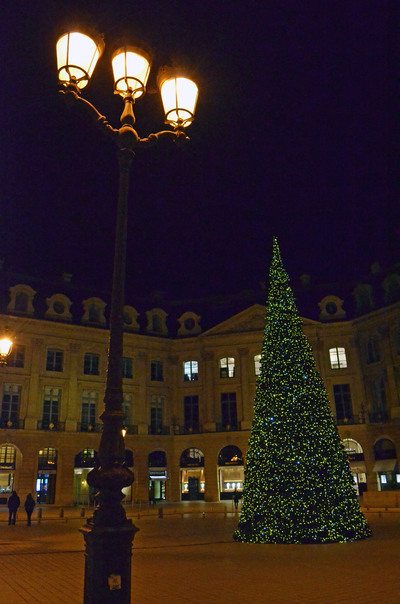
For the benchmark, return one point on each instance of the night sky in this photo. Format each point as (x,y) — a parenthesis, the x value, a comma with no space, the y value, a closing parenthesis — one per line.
(296,135)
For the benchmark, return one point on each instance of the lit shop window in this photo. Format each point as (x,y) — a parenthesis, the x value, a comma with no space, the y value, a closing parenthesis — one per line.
(257,364)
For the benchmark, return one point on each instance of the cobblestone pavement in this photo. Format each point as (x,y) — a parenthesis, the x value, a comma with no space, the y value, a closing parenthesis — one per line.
(190,559)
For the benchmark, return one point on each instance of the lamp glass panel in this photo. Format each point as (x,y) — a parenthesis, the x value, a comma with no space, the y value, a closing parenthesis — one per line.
(179,96)
(77,55)
(5,346)
(131,71)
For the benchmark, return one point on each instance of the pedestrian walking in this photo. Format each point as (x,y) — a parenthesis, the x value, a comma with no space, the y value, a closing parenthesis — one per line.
(236,497)
(29,506)
(13,505)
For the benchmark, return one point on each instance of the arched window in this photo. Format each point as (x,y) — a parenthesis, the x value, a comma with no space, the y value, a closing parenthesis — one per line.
(157,459)
(192,458)
(230,471)
(230,456)
(384,449)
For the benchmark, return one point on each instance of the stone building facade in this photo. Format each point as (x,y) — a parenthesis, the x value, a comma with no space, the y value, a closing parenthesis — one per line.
(188,396)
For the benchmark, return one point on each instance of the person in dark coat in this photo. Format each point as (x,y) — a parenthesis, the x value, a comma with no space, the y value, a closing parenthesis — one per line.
(29,506)
(13,505)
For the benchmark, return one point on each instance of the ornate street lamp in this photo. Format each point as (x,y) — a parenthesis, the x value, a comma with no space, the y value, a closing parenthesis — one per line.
(109,534)
(5,349)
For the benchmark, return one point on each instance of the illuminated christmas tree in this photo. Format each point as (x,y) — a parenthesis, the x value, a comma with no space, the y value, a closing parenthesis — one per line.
(298,487)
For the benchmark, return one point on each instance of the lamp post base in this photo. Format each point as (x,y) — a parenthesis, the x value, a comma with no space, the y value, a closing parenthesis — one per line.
(108,563)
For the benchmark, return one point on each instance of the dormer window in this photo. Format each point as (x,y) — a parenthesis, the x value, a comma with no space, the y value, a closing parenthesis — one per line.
(156,321)
(227,367)
(130,318)
(21,299)
(189,324)
(58,307)
(94,311)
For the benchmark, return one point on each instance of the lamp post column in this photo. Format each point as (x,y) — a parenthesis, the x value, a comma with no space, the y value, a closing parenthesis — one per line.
(109,534)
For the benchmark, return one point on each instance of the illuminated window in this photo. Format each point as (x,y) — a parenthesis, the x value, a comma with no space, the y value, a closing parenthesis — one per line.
(227,367)
(383,479)
(257,364)
(190,371)
(7,456)
(338,358)
(47,459)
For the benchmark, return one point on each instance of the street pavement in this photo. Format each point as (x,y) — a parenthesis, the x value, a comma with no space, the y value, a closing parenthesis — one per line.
(188,557)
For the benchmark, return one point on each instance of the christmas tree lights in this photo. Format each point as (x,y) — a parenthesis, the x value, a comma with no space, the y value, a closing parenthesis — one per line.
(298,487)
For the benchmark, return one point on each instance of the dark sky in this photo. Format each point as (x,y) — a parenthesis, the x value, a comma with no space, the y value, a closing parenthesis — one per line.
(296,134)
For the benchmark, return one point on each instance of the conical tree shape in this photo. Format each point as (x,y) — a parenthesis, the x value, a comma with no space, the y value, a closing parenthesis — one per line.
(298,487)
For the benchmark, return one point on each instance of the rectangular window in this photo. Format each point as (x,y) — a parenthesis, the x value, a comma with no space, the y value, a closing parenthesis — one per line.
(16,358)
(191,413)
(190,371)
(91,364)
(338,358)
(127,368)
(10,406)
(378,395)
(227,367)
(51,407)
(156,414)
(127,409)
(89,410)
(342,396)
(228,410)
(373,354)
(7,457)
(156,371)
(54,360)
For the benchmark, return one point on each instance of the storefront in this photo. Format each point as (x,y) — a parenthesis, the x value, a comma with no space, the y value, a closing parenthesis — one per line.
(157,462)
(386,466)
(46,476)
(357,465)
(192,475)
(230,471)
(84,463)
(7,470)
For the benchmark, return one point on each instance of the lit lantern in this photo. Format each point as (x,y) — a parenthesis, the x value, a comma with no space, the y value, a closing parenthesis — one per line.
(179,97)
(77,55)
(131,67)
(5,347)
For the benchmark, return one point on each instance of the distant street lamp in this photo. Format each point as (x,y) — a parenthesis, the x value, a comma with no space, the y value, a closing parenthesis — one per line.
(109,534)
